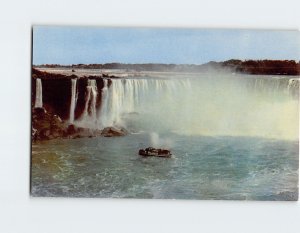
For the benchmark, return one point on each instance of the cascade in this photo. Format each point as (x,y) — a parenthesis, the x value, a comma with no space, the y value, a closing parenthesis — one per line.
(103,121)
(38,94)
(293,86)
(125,96)
(255,106)
(276,85)
(89,113)
(73,100)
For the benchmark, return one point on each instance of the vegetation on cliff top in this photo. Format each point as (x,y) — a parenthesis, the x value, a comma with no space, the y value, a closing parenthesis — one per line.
(267,67)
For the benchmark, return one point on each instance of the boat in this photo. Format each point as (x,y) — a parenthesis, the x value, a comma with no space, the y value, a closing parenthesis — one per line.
(150,151)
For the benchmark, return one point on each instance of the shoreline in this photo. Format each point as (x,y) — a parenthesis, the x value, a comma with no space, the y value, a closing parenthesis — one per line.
(256,67)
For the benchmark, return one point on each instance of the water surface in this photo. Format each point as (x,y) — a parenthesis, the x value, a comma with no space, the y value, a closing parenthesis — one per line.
(241,168)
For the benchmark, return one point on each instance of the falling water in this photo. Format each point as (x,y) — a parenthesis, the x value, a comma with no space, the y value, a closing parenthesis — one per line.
(293,87)
(103,121)
(89,118)
(126,96)
(222,105)
(39,94)
(73,101)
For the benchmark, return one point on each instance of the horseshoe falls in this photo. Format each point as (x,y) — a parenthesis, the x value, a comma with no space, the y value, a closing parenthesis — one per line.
(216,106)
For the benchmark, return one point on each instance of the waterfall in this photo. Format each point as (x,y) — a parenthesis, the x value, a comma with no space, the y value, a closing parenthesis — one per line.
(293,86)
(126,96)
(73,101)
(276,86)
(89,118)
(103,121)
(38,94)
(196,106)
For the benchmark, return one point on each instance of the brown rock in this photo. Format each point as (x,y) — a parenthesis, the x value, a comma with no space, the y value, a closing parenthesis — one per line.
(113,132)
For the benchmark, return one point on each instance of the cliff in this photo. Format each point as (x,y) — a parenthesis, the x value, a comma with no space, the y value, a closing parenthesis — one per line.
(57,92)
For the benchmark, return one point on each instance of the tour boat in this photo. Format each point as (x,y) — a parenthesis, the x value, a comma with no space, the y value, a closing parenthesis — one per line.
(150,151)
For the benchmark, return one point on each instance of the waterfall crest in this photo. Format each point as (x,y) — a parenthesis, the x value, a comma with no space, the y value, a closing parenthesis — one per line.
(38,94)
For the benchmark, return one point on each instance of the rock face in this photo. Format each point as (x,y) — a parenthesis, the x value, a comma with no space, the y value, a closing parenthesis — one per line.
(78,132)
(57,92)
(46,125)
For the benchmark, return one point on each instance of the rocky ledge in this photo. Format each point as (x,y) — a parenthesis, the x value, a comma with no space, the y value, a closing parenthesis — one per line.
(47,125)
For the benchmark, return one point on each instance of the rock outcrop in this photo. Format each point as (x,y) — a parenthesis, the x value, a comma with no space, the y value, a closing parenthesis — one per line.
(113,132)
(47,125)
(73,131)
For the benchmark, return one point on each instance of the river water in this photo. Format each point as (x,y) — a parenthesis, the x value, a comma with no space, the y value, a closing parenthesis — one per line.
(239,168)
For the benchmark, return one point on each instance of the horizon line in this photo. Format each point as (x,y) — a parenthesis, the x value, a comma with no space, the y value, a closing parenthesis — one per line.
(156,63)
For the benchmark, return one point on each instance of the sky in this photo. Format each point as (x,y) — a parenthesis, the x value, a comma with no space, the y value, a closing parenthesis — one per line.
(67,45)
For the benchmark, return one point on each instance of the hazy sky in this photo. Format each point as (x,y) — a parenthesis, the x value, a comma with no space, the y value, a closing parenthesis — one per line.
(73,45)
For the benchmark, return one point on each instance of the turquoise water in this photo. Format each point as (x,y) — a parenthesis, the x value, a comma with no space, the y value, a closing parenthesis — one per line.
(239,168)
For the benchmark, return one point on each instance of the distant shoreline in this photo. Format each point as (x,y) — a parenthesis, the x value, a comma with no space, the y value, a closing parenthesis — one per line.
(263,67)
